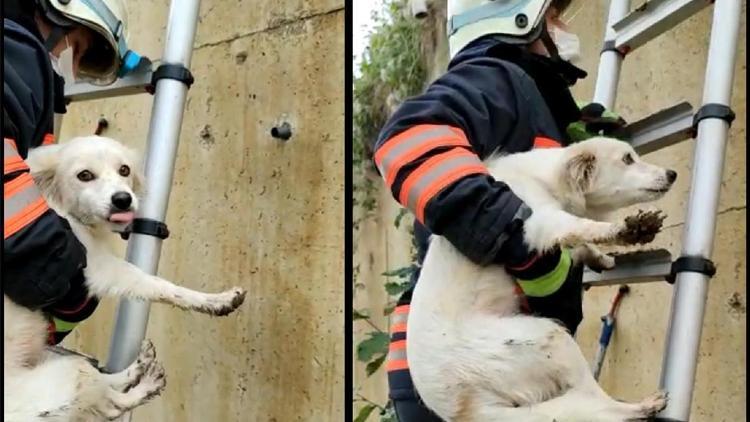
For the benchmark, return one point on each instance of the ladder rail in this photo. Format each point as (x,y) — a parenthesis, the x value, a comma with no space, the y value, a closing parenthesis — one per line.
(163,138)
(610,62)
(691,289)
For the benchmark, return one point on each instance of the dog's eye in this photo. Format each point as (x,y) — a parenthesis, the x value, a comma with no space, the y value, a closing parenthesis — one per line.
(124,171)
(85,176)
(628,159)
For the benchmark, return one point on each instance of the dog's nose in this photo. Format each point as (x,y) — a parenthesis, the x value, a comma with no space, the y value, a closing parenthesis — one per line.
(122,200)
(671,176)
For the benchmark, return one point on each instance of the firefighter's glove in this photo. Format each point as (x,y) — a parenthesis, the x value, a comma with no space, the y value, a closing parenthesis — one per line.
(595,121)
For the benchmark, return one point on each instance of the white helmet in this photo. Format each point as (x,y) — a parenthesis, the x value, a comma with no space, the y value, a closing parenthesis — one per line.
(108,57)
(515,21)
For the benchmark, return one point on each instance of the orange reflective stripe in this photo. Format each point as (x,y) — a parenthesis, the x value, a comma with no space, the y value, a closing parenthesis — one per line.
(434,175)
(542,142)
(402,309)
(48,139)
(398,328)
(411,144)
(396,365)
(11,143)
(397,356)
(23,204)
(12,161)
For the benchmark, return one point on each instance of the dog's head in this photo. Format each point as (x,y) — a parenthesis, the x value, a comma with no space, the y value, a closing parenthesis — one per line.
(96,180)
(610,175)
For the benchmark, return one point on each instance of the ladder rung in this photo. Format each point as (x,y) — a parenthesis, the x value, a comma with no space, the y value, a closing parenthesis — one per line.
(135,82)
(660,130)
(633,267)
(652,19)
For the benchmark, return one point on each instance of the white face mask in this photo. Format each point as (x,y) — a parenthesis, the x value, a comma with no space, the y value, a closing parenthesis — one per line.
(568,45)
(63,65)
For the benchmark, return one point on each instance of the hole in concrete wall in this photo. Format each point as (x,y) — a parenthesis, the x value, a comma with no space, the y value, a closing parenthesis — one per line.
(240,57)
(282,131)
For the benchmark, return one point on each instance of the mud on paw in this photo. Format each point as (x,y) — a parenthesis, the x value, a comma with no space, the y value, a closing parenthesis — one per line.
(642,227)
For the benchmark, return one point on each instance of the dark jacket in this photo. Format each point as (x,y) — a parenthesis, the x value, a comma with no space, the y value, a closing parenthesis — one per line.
(42,259)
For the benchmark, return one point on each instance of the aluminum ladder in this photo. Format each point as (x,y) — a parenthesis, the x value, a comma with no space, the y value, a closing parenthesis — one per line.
(690,273)
(169,83)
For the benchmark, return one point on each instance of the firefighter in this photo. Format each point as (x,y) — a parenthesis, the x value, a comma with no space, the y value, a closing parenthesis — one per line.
(507,89)
(46,44)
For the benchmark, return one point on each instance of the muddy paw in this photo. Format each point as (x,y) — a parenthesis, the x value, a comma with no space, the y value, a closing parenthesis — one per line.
(654,403)
(146,359)
(641,228)
(152,383)
(601,263)
(227,302)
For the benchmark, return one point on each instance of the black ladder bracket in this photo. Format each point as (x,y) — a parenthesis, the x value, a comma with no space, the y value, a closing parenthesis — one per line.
(693,264)
(177,72)
(146,226)
(609,45)
(713,111)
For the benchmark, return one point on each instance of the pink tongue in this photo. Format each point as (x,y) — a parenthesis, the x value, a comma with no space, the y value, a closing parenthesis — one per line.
(121,217)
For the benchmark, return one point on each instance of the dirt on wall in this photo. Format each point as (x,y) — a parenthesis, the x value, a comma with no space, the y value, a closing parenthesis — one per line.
(246,209)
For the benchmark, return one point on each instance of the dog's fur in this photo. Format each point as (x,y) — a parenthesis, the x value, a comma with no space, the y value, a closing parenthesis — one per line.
(41,386)
(472,355)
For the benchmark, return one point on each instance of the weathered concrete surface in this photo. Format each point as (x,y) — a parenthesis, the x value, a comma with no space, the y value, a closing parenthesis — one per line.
(668,70)
(249,210)
(662,73)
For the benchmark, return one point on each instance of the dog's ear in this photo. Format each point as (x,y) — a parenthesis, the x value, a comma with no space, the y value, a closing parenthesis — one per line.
(43,162)
(580,170)
(139,182)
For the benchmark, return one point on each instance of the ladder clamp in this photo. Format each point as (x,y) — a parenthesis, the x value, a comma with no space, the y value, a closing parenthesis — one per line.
(146,226)
(609,45)
(177,72)
(713,111)
(693,264)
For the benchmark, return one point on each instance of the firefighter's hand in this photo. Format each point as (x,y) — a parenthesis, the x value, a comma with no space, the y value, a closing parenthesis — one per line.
(595,121)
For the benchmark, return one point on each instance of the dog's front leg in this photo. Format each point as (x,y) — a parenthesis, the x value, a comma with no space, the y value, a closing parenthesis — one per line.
(108,275)
(592,257)
(547,228)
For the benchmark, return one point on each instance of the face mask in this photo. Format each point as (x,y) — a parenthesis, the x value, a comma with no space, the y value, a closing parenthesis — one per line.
(63,65)
(568,45)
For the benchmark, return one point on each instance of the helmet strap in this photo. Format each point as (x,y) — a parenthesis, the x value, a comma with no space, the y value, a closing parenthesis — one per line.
(55,35)
(549,44)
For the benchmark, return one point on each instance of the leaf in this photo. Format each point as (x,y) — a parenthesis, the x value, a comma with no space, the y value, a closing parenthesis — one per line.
(374,365)
(359,315)
(364,413)
(377,343)
(389,309)
(402,272)
(389,413)
(396,288)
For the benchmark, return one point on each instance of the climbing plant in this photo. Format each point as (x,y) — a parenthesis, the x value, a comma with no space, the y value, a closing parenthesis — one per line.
(392,69)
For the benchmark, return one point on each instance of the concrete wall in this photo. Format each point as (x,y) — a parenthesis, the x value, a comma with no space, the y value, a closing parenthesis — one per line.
(668,70)
(247,209)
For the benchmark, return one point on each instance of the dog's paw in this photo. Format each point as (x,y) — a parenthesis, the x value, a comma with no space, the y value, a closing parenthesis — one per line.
(640,228)
(225,303)
(654,404)
(145,360)
(601,263)
(592,257)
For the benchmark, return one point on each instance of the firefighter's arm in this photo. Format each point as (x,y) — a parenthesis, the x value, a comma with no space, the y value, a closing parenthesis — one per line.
(428,155)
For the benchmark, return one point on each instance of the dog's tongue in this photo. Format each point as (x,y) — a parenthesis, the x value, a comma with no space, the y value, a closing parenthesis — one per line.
(121,217)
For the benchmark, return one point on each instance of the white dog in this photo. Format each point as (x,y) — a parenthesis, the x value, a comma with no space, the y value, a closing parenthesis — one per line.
(93,182)
(472,356)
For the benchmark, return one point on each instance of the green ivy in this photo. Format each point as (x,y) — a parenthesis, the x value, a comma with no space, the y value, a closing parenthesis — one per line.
(391,70)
